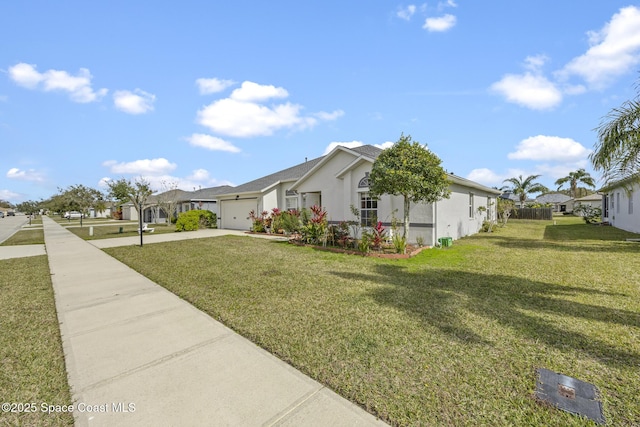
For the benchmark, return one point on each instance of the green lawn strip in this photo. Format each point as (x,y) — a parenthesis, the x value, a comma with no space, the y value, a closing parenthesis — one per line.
(450,337)
(32,366)
(25,237)
(111,231)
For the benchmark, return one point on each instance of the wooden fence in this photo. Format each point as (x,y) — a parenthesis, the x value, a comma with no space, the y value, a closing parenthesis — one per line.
(532,213)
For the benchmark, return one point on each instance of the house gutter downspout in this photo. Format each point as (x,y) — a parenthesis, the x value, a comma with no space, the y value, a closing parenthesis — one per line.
(434,235)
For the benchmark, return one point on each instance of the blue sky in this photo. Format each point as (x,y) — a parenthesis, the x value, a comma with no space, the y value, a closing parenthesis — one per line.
(199,94)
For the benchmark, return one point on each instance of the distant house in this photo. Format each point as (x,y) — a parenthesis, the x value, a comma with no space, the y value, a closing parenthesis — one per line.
(559,202)
(339,180)
(618,204)
(593,200)
(183,201)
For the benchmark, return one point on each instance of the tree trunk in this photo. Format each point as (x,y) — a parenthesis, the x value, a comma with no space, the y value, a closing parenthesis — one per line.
(407,206)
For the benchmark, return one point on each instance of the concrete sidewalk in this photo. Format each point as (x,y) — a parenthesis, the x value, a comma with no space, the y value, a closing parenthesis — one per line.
(137,355)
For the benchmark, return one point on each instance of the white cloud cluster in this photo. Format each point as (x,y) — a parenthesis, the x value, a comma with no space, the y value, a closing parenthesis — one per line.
(552,156)
(79,87)
(553,148)
(141,167)
(613,51)
(25,175)
(136,102)
(245,113)
(439,23)
(211,143)
(207,86)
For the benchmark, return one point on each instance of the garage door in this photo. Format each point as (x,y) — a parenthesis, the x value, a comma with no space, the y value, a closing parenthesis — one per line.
(235,213)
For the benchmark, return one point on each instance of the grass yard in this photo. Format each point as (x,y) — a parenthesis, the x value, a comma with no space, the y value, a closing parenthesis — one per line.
(31,359)
(449,338)
(110,231)
(25,237)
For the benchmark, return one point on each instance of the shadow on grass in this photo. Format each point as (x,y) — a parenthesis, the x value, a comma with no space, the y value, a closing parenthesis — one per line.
(450,300)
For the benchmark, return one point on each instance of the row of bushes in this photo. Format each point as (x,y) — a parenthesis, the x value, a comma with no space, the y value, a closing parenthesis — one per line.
(311,226)
(196,219)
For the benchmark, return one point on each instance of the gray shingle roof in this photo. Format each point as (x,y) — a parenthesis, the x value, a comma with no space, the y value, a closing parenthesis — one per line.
(289,174)
(553,198)
(367,150)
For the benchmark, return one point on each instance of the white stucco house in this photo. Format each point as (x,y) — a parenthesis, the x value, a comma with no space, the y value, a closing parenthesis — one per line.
(618,205)
(593,200)
(339,180)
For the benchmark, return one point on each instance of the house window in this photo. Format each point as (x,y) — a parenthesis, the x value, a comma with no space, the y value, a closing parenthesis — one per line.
(605,205)
(612,202)
(368,209)
(631,203)
(617,202)
(471,205)
(291,203)
(489,210)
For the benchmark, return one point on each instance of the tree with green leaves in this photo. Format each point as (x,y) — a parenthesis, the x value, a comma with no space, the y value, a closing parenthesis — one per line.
(522,187)
(410,170)
(124,191)
(574,178)
(79,198)
(617,152)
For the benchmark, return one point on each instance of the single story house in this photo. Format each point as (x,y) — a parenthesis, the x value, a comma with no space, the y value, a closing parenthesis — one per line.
(339,180)
(618,204)
(181,200)
(593,200)
(559,202)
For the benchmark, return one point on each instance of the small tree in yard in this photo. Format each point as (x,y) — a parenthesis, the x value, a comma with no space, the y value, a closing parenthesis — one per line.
(410,170)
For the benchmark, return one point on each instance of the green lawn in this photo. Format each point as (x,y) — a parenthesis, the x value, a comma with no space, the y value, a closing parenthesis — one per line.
(31,358)
(450,337)
(110,231)
(25,237)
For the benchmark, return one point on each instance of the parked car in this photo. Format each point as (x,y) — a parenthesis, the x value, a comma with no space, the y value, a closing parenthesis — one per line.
(73,215)
(1,214)
(11,213)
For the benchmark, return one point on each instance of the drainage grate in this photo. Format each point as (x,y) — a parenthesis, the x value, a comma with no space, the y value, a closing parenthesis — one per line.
(569,394)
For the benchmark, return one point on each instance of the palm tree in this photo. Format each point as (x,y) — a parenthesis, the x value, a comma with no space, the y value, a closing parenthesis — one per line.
(617,151)
(574,178)
(522,187)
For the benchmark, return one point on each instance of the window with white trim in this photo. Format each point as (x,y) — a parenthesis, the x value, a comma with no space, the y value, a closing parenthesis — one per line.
(617,202)
(368,209)
(291,203)
(631,203)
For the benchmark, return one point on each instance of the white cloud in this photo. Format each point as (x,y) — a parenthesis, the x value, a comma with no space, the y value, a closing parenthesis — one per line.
(244,114)
(406,12)
(446,4)
(207,86)
(141,167)
(211,143)
(9,195)
(485,176)
(25,175)
(246,119)
(322,115)
(560,170)
(250,91)
(78,87)
(136,102)
(440,24)
(529,90)
(614,50)
(555,148)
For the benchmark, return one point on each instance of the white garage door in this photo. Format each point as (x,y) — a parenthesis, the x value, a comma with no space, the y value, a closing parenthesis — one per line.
(235,213)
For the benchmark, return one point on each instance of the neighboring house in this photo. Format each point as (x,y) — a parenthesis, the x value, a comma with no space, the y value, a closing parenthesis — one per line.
(204,198)
(593,200)
(510,195)
(618,204)
(93,213)
(559,202)
(339,180)
(264,194)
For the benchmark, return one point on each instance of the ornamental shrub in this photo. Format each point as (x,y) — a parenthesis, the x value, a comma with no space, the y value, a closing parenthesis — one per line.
(196,219)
